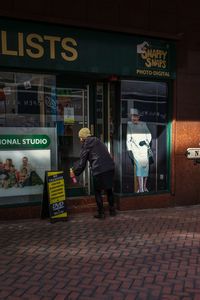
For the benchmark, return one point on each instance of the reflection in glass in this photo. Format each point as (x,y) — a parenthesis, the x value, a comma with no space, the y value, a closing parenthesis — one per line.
(70,118)
(99,111)
(23,99)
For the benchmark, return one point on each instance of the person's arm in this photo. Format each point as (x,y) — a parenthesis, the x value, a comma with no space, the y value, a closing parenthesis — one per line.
(79,167)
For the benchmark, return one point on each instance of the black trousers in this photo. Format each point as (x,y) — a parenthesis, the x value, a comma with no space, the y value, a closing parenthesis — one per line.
(104,182)
(99,199)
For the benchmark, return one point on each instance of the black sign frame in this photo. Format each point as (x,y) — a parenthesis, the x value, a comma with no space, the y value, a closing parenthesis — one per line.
(54,204)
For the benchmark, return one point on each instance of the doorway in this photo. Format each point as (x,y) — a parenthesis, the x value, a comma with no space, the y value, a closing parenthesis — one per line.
(72,115)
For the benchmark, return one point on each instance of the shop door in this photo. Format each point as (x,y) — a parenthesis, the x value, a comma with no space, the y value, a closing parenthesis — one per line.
(72,104)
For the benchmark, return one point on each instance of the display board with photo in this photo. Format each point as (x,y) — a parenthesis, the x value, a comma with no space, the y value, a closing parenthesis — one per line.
(22,171)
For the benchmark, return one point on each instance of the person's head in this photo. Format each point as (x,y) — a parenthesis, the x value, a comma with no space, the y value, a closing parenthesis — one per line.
(135,115)
(8,162)
(84,133)
(25,160)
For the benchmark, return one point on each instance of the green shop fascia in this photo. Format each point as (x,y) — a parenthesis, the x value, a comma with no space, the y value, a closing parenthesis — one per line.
(53,47)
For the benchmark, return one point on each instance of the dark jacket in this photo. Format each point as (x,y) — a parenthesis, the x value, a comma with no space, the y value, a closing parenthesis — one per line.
(94,151)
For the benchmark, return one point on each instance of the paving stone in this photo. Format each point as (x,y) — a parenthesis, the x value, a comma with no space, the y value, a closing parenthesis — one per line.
(138,255)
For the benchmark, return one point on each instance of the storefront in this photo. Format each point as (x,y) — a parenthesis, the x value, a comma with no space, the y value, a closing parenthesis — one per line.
(55,80)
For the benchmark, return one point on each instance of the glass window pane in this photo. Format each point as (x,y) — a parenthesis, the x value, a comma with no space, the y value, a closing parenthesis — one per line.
(99,111)
(25,98)
(36,103)
(144,119)
(71,116)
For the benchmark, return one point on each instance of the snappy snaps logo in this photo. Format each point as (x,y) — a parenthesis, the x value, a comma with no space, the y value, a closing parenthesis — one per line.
(154,60)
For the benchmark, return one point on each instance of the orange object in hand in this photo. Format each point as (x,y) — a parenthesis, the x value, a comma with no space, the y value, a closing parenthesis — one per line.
(72,175)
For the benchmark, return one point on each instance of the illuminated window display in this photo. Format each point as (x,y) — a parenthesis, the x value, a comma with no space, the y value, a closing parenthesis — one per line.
(144,136)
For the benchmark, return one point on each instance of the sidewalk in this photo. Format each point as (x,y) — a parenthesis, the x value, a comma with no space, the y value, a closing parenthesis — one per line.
(148,254)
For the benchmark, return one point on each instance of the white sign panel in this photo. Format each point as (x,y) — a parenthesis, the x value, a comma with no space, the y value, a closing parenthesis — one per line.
(193,153)
(22,172)
(25,154)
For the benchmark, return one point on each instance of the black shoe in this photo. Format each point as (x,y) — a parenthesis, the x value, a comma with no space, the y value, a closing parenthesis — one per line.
(100,216)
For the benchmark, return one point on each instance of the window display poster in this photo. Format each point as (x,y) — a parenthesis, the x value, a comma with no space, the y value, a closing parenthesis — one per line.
(69,115)
(22,171)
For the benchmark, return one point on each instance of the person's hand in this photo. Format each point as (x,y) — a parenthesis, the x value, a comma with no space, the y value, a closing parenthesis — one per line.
(71,173)
(142,143)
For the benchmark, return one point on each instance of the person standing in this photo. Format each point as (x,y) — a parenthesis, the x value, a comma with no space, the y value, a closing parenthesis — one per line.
(102,168)
(138,141)
(27,168)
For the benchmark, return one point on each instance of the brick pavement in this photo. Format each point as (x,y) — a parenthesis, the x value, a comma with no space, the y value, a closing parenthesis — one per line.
(149,254)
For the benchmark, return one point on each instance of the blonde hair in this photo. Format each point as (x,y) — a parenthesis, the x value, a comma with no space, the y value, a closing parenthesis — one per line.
(84,133)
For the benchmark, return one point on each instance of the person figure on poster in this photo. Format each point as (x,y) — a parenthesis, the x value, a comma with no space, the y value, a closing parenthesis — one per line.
(138,141)
(29,170)
(7,168)
(12,180)
(26,164)
(32,177)
(3,175)
(102,168)
(23,176)
(8,164)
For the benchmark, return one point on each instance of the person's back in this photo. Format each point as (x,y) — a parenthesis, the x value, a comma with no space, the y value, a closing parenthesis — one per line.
(102,167)
(98,156)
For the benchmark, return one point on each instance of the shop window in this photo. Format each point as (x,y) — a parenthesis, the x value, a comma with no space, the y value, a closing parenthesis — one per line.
(27,135)
(25,99)
(37,108)
(144,137)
